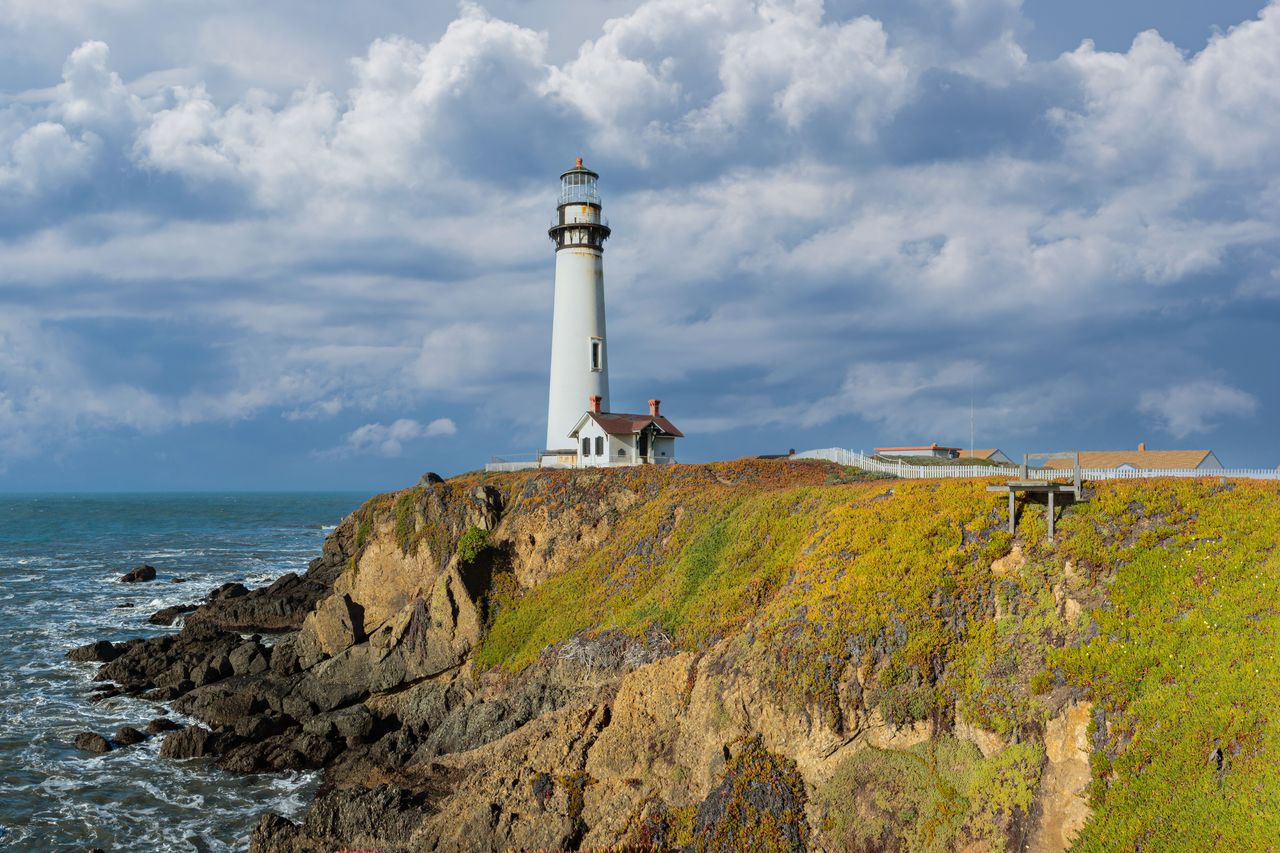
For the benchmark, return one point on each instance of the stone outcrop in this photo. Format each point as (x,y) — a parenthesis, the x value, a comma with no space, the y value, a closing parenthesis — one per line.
(1062,802)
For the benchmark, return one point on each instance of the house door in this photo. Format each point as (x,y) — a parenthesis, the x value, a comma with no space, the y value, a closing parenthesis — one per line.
(643,445)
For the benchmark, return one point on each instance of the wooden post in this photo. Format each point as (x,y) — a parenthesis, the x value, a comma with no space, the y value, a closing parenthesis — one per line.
(1051,515)
(1013,524)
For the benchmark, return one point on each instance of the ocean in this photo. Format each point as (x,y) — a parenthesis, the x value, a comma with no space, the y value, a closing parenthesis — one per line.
(60,560)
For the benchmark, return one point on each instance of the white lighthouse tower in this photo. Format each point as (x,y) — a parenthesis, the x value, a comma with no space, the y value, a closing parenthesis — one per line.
(579,348)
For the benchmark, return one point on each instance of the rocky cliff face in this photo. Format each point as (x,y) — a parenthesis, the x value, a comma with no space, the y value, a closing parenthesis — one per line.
(762,655)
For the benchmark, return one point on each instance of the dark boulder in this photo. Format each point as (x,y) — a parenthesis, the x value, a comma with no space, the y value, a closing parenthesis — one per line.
(430,479)
(167,615)
(228,590)
(138,574)
(289,751)
(352,722)
(224,703)
(92,742)
(249,658)
(102,651)
(191,742)
(160,725)
(128,736)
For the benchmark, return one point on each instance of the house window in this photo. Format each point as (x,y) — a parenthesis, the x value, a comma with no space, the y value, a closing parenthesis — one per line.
(586,447)
(597,354)
(599,445)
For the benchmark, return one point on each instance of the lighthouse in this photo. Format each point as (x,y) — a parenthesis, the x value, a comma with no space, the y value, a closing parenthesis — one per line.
(579,346)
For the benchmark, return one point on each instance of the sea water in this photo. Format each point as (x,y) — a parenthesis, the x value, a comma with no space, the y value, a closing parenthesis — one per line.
(61,557)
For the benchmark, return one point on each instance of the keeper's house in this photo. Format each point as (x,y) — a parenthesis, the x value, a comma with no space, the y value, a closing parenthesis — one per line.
(616,438)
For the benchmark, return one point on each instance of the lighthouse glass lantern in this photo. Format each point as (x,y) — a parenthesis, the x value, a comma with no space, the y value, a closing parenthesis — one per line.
(579,345)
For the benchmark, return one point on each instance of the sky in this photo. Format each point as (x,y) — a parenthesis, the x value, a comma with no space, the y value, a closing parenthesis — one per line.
(302,245)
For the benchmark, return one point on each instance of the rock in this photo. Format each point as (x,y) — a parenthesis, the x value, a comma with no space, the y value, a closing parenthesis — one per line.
(227,591)
(104,693)
(221,704)
(279,607)
(177,580)
(1010,564)
(289,751)
(430,479)
(248,658)
(162,724)
(101,651)
(273,833)
(337,624)
(167,615)
(138,574)
(756,783)
(92,742)
(128,736)
(360,818)
(257,727)
(178,661)
(1062,803)
(352,722)
(191,742)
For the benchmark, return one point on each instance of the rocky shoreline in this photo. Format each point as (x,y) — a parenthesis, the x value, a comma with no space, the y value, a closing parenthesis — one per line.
(364,668)
(272,697)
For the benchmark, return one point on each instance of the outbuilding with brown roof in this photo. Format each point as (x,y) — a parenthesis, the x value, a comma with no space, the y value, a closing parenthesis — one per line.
(1143,460)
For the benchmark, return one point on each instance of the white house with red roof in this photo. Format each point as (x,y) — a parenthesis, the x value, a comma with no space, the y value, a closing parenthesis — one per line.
(616,438)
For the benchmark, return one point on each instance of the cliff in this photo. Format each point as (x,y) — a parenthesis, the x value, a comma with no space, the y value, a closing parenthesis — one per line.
(754,655)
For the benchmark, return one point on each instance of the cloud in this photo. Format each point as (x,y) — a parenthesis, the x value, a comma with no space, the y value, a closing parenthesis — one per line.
(827,215)
(1196,407)
(390,440)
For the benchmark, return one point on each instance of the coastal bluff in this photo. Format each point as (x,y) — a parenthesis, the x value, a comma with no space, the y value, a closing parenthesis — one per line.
(761,654)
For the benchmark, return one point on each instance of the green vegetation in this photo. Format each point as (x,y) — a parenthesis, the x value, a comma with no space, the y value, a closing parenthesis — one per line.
(1183,665)
(472,544)
(936,796)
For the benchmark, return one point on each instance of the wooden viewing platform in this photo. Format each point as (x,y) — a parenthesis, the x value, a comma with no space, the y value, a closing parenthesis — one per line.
(1049,488)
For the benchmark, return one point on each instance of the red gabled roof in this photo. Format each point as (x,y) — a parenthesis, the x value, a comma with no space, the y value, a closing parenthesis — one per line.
(618,423)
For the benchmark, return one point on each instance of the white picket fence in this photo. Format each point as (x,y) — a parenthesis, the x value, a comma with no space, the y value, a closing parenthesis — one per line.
(937,472)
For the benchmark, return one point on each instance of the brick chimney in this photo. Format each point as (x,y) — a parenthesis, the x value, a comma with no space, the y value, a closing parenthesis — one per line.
(594,403)
(1142,447)
(653,408)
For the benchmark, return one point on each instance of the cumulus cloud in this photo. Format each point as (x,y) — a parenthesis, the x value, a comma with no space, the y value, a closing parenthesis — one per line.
(390,440)
(812,227)
(1196,407)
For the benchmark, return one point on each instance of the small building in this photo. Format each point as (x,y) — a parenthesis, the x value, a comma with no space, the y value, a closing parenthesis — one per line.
(1143,460)
(990,454)
(616,438)
(934,450)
